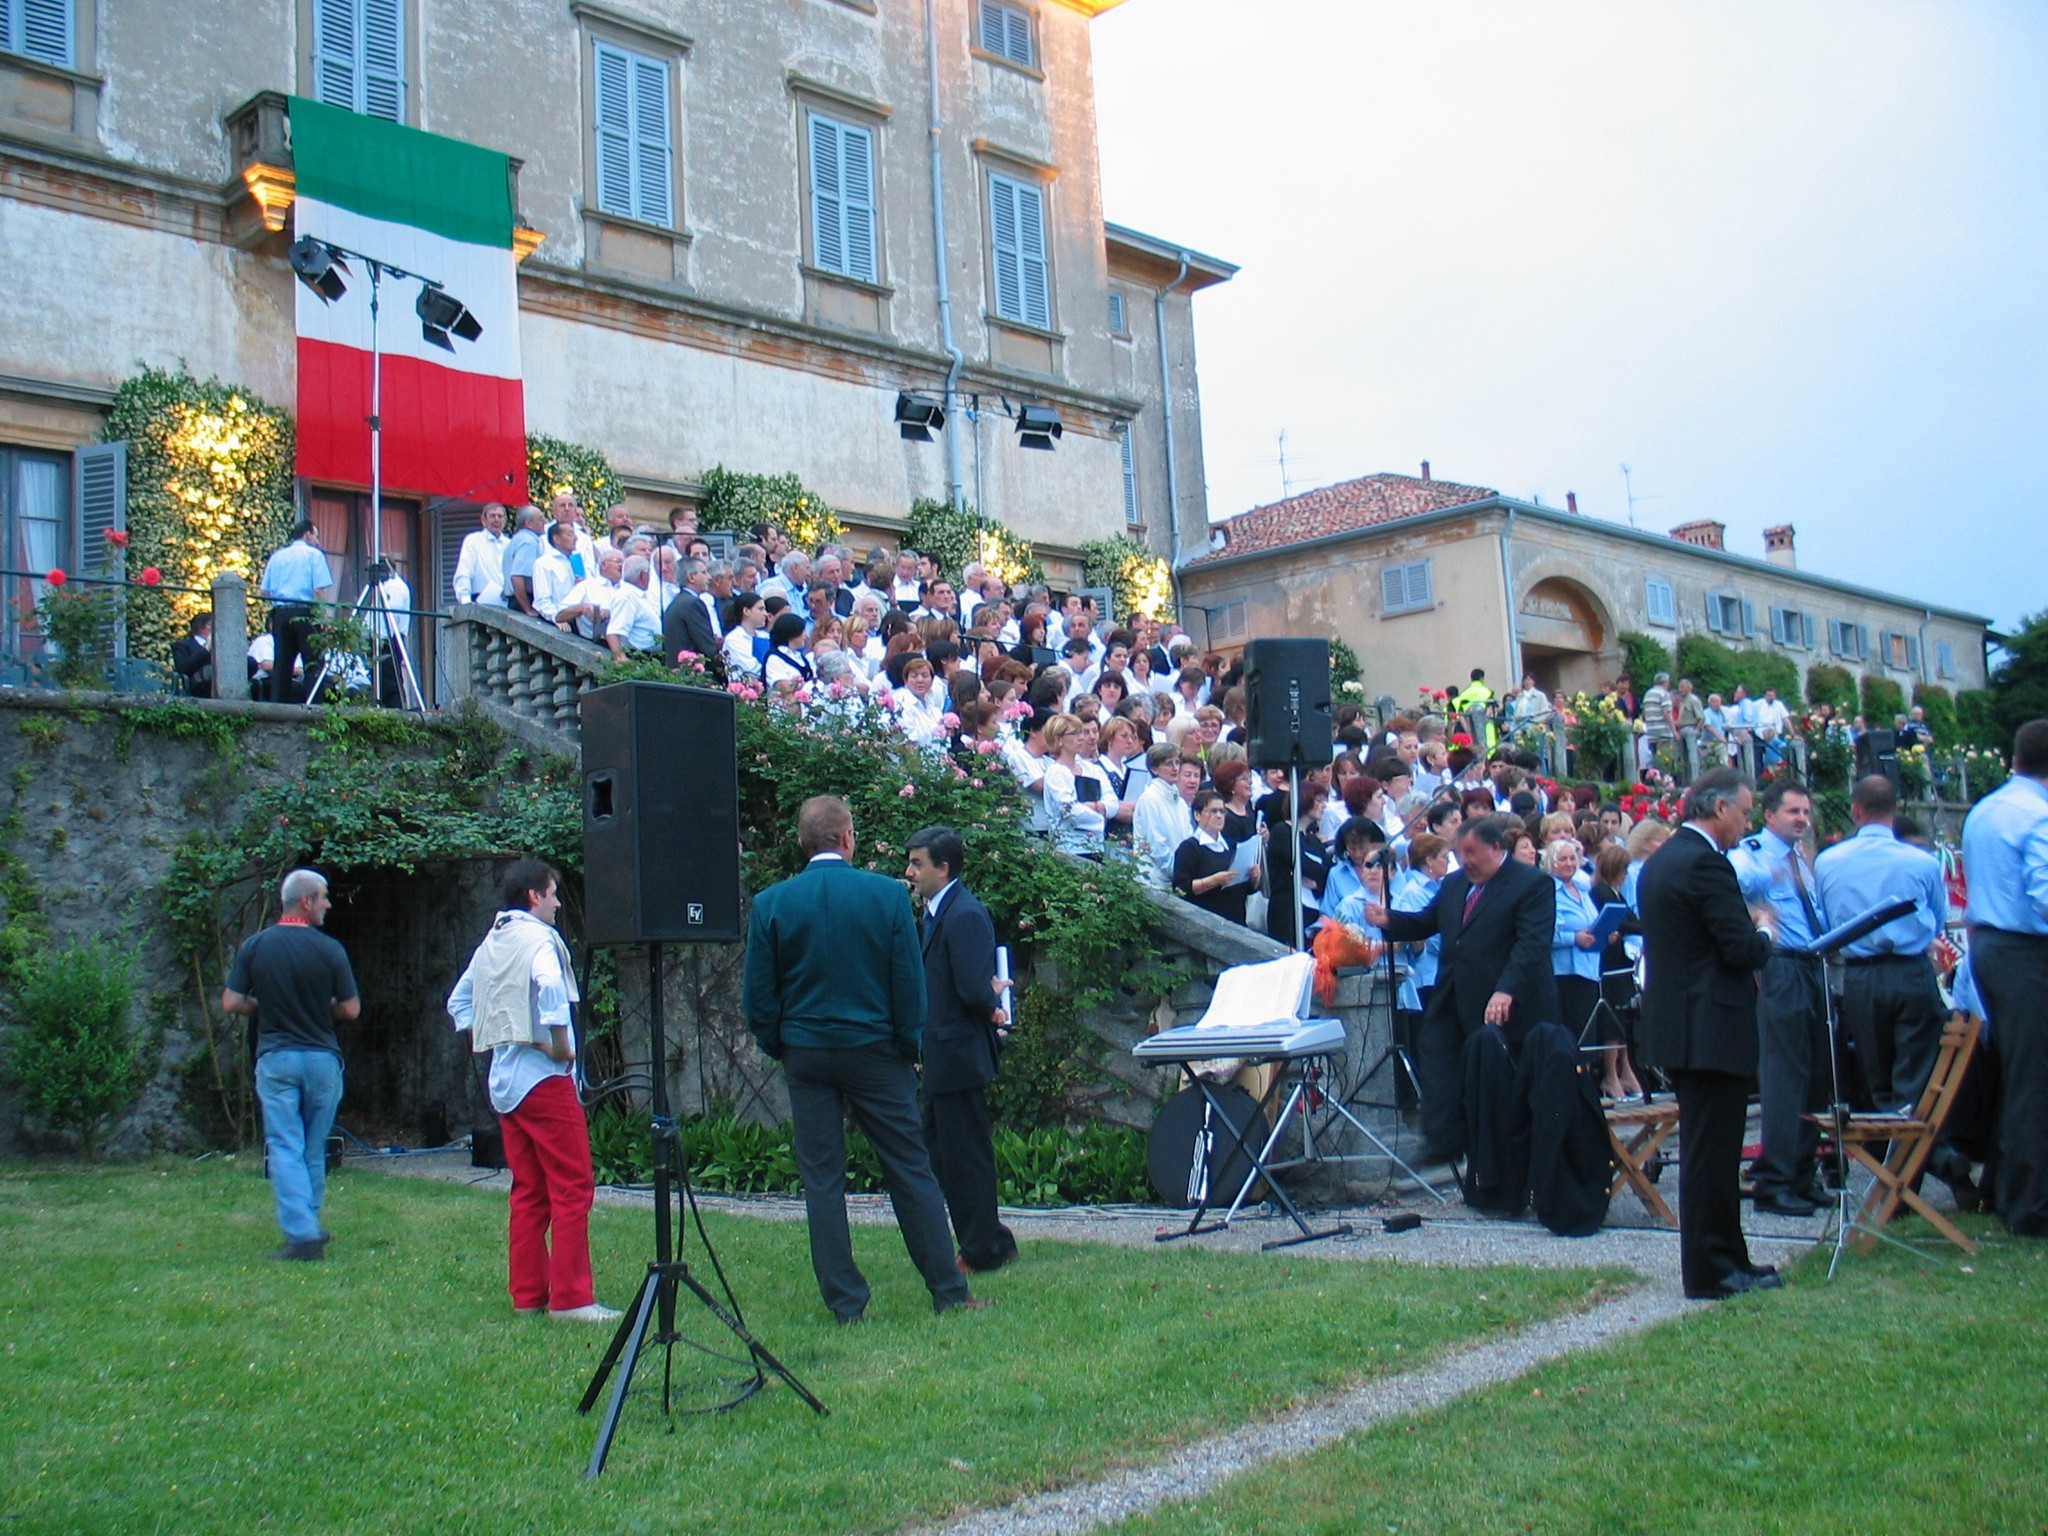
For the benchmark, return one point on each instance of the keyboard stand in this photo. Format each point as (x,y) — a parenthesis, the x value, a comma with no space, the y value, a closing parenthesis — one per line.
(1260,1169)
(1315,1072)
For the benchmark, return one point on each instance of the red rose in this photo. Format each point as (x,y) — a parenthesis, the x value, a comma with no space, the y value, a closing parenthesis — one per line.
(56,578)
(117,538)
(150,576)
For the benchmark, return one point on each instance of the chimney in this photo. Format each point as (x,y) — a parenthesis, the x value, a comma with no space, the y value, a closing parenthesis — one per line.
(1704,532)
(1425,469)
(1778,547)
(1571,502)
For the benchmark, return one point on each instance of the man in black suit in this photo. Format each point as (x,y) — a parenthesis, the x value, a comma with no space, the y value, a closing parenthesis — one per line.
(1703,948)
(835,992)
(963,1036)
(192,657)
(686,626)
(1496,918)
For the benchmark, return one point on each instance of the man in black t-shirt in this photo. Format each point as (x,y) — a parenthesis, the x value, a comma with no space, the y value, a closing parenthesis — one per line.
(295,982)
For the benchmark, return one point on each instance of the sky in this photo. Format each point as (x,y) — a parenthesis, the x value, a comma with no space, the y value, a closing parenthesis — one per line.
(1788,261)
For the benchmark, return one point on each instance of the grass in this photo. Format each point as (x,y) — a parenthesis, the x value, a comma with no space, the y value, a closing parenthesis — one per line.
(1901,1397)
(159,1374)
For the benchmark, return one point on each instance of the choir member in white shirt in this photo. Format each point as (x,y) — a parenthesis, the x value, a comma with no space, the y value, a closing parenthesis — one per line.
(480,567)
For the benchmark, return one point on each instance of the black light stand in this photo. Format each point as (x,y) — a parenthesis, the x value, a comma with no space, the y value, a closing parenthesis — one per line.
(656,1301)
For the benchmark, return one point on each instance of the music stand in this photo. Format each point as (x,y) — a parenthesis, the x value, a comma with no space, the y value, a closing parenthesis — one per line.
(1848,1217)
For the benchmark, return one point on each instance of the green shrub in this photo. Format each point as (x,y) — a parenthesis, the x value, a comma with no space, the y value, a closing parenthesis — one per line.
(1140,579)
(1052,1060)
(1940,708)
(1977,720)
(1718,668)
(1829,684)
(1345,666)
(1883,701)
(735,502)
(1643,657)
(553,466)
(69,1045)
(953,536)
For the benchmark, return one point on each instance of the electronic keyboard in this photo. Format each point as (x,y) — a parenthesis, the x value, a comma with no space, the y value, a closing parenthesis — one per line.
(1280,1040)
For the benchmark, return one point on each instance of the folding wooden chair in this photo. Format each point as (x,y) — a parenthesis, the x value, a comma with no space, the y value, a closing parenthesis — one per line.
(1903,1143)
(1648,1126)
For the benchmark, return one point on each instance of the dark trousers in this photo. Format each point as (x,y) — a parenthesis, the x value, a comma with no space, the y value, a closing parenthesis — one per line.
(961,1140)
(880,1089)
(1440,1076)
(1713,1109)
(2012,974)
(291,625)
(1893,1014)
(1793,1074)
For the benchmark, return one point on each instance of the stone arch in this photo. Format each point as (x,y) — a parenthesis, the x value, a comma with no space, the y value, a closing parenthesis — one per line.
(1568,630)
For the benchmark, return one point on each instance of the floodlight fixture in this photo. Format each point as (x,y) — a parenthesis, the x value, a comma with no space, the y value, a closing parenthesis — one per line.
(441,313)
(320,267)
(1038,426)
(917,417)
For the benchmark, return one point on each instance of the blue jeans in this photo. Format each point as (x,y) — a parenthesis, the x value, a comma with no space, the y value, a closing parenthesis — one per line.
(299,1091)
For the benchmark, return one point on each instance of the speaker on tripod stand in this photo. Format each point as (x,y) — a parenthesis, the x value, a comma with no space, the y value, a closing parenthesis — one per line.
(1287,725)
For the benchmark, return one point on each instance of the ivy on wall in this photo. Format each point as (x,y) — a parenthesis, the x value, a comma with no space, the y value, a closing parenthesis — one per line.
(209,490)
(1142,582)
(735,502)
(553,466)
(953,536)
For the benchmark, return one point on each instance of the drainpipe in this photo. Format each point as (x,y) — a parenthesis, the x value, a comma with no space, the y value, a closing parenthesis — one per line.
(1507,577)
(1174,558)
(959,359)
(1926,660)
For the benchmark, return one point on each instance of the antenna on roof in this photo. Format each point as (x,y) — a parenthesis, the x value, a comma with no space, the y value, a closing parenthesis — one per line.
(1286,484)
(1630,490)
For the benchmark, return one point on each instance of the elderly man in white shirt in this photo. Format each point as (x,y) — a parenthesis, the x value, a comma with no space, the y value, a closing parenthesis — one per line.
(589,605)
(480,568)
(555,573)
(635,624)
(792,577)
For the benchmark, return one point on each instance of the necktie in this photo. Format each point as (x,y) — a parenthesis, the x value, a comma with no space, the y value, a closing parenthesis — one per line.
(1814,925)
(1472,900)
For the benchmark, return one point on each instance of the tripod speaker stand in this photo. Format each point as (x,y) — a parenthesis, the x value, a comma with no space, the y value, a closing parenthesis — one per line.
(668,1274)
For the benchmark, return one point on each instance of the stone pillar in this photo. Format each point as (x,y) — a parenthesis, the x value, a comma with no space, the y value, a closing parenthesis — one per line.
(230,636)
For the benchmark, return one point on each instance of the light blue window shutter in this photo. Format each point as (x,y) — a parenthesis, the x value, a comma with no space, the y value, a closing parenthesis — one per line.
(1748,618)
(857,163)
(1130,462)
(99,493)
(1002,194)
(1714,614)
(1017,42)
(1913,652)
(383,59)
(1862,642)
(828,203)
(335,43)
(653,181)
(1117,323)
(42,29)
(1421,591)
(1393,589)
(614,132)
(1031,240)
(992,37)
(1809,631)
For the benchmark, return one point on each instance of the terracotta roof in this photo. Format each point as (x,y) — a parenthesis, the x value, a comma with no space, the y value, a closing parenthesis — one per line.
(1362,503)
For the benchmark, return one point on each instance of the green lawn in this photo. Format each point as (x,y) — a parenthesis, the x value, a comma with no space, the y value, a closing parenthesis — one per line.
(1899,1398)
(157,1373)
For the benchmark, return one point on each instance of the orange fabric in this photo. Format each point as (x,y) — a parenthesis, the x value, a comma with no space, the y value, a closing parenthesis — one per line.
(1337,946)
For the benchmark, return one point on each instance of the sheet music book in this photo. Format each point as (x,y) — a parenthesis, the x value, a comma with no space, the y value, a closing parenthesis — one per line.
(1087,787)
(1611,917)
(1242,858)
(1271,992)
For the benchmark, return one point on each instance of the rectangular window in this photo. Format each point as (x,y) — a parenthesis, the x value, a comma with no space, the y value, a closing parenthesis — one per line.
(35,516)
(635,157)
(1849,641)
(1728,614)
(1130,459)
(359,56)
(38,29)
(1005,31)
(842,199)
(1017,218)
(1944,659)
(1118,321)
(1790,627)
(1406,588)
(1661,602)
(1899,651)
(1232,622)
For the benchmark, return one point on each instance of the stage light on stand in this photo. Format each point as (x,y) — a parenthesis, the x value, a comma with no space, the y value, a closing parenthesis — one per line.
(1038,426)
(319,267)
(440,313)
(917,417)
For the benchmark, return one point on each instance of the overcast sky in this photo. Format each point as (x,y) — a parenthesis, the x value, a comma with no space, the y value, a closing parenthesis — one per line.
(1787,260)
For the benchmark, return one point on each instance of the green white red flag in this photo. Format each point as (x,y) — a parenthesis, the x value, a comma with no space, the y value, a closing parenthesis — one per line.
(454,421)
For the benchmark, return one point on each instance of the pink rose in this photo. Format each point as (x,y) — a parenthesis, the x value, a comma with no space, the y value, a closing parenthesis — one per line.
(907,792)
(56,578)
(739,689)
(975,782)
(151,576)
(986,748)
(949,721)
(688,656)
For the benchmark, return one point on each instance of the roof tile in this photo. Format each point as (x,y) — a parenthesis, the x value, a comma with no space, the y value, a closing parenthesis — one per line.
(1365,502)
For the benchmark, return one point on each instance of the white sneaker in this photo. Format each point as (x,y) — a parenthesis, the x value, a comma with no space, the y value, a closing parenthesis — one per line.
(596,1312)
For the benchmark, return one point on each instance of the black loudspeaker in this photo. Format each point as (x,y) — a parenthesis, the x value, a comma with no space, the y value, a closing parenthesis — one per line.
(661,816)
(1877,752)
(1287,703)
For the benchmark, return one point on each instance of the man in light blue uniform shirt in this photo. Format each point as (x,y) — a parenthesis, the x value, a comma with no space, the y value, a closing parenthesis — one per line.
(1794,1074)
(2005,855)
(1891,1005)
(294,578)
(522,554)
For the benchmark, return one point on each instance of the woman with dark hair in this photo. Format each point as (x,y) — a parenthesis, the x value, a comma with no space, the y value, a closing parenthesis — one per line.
(1030,637)
(1112,688)
(1233,781)
(746,635)
(786,667)
(1201,865)
(1356,866)
(1315,862)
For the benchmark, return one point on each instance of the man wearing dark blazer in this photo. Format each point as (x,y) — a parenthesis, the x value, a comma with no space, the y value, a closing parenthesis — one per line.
(686,626)
(964,1026)
(192,657)
(1496,918)
(1703,948)
(835,992)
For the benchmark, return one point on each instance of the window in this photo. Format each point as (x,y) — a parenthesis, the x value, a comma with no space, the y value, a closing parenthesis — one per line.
(35,504)
(1406,588)
(1728,614)
(1017,219)
(1849,641)
(1005,31)
(1899,651)
(39,29)
(1944,659)
(1790,627)
(842,198)
(1130,458)
(1118,320)
(358,56)
(635,161)
(1661,602)
(1232,622)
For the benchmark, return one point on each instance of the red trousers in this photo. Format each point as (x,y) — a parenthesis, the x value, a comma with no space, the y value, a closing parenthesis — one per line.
(547,1147)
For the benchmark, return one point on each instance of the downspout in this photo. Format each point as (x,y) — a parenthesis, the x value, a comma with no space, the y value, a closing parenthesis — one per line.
(1174,558)
(1507,581)
(959,358)
(1926,660)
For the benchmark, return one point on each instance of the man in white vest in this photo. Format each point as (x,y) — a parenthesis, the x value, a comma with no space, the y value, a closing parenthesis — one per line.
(514,1001)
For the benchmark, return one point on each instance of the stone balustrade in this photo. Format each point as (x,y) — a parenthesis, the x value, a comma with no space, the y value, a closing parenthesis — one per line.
(528,676)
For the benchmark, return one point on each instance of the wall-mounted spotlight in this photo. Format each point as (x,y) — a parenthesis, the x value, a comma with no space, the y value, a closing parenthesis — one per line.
(1038,426)
(319,267)
(917,418)
(440,313)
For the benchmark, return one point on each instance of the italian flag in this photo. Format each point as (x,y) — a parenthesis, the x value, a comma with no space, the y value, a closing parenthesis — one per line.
(454,422)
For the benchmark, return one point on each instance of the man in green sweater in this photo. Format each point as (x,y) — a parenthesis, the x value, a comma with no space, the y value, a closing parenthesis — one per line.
(835,992)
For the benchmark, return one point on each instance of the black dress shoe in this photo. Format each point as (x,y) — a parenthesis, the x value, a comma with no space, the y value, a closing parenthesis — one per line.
(1783,1202)
(1738,1283)
(1813,1194)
